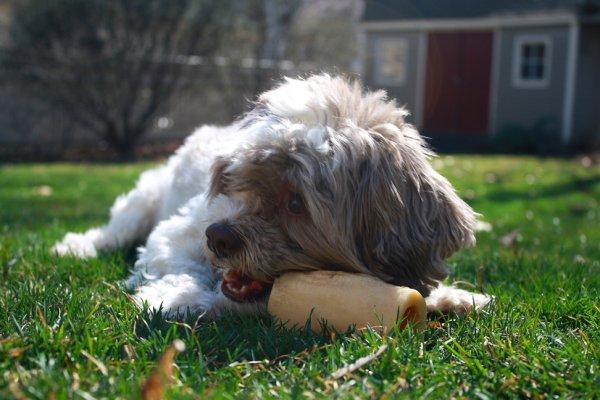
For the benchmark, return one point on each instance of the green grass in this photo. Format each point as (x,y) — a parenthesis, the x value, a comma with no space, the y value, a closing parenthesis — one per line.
(68,330)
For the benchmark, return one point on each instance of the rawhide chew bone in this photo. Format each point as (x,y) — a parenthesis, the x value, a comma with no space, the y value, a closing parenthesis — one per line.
(343,300)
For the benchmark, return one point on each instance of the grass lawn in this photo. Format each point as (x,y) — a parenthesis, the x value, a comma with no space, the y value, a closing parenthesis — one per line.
(68,330)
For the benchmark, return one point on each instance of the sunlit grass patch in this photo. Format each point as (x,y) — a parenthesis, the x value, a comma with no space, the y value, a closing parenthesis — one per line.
(68,329)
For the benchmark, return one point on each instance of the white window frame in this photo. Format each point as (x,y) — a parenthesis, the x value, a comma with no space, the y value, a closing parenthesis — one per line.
(378,78)
(531,39)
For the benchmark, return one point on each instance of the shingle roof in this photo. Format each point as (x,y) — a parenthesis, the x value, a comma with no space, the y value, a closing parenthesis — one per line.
(383,10)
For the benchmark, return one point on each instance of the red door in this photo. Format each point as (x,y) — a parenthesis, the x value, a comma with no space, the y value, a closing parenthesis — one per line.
(457,89)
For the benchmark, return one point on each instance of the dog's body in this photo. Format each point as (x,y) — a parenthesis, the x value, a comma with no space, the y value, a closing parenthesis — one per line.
(318,176)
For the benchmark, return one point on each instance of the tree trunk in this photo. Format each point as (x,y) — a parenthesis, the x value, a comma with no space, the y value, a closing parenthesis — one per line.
(122,143)
(126,151)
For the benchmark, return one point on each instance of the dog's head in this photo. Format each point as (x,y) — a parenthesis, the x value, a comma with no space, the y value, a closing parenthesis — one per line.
(332,178)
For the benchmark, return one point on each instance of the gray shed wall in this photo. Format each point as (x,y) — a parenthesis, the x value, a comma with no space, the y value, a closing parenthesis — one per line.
(406,93)
(537,110)
(586,117)
(543,107)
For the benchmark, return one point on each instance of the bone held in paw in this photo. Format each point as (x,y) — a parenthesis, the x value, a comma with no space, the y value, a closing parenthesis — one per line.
(344,300)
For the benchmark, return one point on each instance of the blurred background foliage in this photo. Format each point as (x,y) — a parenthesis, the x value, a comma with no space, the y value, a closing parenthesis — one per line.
(120,79)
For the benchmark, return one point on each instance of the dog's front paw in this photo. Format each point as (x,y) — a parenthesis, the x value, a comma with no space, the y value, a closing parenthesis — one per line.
(447,299)
(77,245)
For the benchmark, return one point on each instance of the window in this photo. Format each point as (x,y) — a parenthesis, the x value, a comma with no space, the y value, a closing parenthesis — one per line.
(531,61)
(391,61)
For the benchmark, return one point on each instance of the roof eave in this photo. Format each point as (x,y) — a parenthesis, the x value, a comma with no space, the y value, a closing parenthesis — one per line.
(563,17)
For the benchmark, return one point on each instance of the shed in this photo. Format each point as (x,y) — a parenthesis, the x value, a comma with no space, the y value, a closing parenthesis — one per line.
(483,69)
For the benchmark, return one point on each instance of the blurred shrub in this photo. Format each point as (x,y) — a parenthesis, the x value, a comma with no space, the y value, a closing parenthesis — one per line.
(542,138)
(110,65)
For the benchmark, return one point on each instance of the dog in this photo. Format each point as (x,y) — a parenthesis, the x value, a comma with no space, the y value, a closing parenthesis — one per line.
(320,174)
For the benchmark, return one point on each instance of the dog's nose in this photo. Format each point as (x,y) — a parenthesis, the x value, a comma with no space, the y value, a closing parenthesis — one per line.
(222,239)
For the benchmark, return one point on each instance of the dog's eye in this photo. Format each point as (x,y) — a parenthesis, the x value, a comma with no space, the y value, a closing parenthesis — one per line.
(295,204)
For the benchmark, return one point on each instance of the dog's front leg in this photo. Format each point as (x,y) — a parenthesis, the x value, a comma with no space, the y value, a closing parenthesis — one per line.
(132,216)
(173,272)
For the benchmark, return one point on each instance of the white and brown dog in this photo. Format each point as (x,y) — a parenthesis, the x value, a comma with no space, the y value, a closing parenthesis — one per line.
(319,175)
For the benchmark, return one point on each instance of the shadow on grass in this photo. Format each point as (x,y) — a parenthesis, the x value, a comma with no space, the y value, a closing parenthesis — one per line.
(575,185)
(233,338)
(240,339)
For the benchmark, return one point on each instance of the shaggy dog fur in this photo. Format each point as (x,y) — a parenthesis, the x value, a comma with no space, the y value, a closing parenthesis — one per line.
(319,175)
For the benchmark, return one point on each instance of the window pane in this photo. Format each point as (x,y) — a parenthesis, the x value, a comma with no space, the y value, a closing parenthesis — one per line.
(539,71)
(533,60)
(391,61)
(541,50)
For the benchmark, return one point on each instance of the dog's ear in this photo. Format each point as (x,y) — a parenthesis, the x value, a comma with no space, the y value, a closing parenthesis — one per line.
(218,176)
(408,217)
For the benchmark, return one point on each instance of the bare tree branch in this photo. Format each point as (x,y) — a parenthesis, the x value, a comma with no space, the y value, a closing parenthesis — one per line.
(111,64)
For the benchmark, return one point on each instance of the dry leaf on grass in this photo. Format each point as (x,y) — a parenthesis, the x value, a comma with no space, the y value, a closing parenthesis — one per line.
(99,364)
(511,239)
(436,325)
(361,362)
(162,376)
(44,191)
(15,389)
(17,352)
(483,226)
